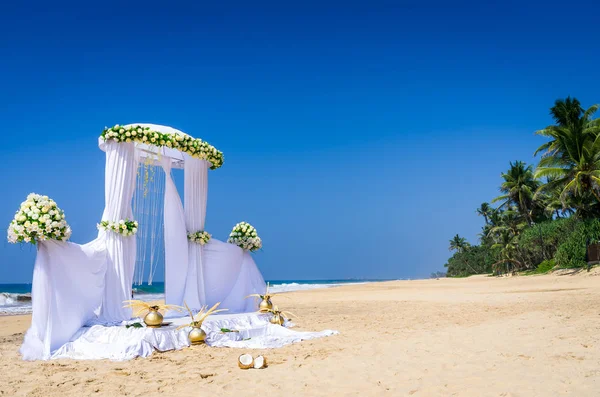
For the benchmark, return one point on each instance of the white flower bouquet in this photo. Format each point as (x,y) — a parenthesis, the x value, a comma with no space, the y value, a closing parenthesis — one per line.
(199,237)
(194,147)
(38,219)
(124,227)
(244,236)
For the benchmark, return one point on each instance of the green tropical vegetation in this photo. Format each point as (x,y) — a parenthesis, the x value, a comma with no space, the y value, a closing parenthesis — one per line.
(545,215)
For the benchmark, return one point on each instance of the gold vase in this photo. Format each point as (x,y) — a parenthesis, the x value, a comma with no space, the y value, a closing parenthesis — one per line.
(153,319)
(265,305)
(277,319)
(197,335)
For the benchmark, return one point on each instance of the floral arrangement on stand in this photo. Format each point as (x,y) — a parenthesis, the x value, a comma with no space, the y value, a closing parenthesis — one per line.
(124,227)
(200,237)
(38,219)
(194,147)
(244,235)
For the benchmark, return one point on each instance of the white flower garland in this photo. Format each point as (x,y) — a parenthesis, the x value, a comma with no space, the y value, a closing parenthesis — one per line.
(194,147)
(200,237)
(123,227)
(38,219)
(244,235)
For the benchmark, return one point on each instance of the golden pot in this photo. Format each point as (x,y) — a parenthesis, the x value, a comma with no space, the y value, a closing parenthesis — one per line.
(197,335)
(277,319)
(153,319)
(265,305)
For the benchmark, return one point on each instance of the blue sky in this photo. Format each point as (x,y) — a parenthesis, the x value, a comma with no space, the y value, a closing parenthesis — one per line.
(359,137)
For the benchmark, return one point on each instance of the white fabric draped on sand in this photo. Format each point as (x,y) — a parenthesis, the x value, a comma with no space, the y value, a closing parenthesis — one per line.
(67,289)
(73,284)
(176,242)
(121,343)
(120,174)
(230,275)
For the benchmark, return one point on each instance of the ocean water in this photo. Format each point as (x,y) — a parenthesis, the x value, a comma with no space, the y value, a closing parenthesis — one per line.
(16,298)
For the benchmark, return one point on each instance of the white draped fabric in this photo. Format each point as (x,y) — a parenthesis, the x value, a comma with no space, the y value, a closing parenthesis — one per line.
(74,285)
(67,289)
(121,343)
(195,195)
(230,275)
(119,179)
(176,242)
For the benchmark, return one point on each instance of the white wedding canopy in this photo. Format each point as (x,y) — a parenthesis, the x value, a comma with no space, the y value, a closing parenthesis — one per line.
(75,285)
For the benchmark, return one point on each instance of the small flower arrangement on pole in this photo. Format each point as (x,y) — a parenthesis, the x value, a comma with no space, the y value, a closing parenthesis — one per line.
(200,237)
(38,219)
(124,227)
(244,235)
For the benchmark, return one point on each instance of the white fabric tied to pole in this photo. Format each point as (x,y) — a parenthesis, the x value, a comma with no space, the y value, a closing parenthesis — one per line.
(67,288)
(119,178)
(230,275)
(176,242)
(195,197)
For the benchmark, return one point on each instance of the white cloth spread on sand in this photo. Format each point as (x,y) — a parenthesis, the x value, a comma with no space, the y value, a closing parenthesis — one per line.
(121,343)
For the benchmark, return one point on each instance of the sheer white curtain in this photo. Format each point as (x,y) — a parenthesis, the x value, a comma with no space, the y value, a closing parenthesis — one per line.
(67,288)
(119,179)
(195,196)
(230,275)
(176,242)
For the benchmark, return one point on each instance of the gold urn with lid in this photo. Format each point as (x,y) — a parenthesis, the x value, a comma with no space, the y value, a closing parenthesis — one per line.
(265,304)
(197,334)
(277,319)
(154,318)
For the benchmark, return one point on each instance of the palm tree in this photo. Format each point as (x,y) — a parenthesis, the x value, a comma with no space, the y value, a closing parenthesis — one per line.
(572,156)
(548,197)
(505,234)
(508,244)
(485,210)
(566,111)
(459,244)
(519,187)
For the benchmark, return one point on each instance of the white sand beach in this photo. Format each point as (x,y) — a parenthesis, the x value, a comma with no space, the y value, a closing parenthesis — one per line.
(479,336)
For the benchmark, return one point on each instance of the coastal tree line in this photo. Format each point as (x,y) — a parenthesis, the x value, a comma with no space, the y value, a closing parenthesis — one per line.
(545,215)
